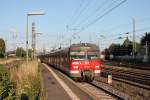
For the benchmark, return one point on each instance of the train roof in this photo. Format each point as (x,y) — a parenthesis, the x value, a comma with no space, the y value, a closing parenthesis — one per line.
(62,51)
(84,45)
(90,46)
(73,46)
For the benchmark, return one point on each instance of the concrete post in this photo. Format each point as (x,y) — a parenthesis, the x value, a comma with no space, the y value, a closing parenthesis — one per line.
(109,78)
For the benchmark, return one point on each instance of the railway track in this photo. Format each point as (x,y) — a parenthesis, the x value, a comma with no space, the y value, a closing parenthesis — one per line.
(136,78)
(97,92)
(111,90)
(127,65)
(94,90)
(103,91)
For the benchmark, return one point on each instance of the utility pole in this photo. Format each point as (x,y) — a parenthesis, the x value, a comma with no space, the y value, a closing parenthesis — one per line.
(90,37)
(14,36)
(134,46)
(70,42)
(99,47)
(27,41)
(33,41)
(44,49)
(146,50)
(34,34)
(6,49)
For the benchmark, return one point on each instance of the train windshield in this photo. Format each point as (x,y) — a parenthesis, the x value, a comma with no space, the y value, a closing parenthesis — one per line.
(92,57)
(84,57)
(78,57)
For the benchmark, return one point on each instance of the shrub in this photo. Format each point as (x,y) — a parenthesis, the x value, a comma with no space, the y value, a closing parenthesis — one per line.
(7,88)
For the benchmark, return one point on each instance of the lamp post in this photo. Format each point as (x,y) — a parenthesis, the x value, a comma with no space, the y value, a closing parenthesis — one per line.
(134,44)
(27,15)
(101,37)
(100,46)
(6,50)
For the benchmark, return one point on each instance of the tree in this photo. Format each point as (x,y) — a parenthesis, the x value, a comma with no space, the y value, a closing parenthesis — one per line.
(20,52)
(122,49)
(107,53)
(114,49)
(145,38)
(127,47)
(2,48)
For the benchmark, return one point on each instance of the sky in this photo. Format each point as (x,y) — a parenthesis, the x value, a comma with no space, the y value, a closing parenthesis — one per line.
(75,20)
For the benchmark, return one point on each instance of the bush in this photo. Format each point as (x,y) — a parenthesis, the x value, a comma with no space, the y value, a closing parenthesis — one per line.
(7,89)
(27,79)
(20,52)
(2,48)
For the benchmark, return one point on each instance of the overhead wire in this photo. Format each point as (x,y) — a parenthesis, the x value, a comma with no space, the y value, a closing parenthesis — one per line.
(92,13)
(99,9)
(123,25)
(86,12)
(100,17)
(137,30)
(84,7)
(75,13)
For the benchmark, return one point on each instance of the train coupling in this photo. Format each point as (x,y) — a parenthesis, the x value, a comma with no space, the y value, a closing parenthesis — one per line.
(87,75)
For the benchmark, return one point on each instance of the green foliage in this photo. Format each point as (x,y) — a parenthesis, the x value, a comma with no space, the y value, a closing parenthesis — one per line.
(121,50)
(7,90)
(20,52)
(2,48)
(30,53)
(115,49)
(33,91)
(145,38)
(138,46)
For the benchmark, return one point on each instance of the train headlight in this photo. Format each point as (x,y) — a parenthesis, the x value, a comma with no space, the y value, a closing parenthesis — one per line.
(96,66)
(75,67)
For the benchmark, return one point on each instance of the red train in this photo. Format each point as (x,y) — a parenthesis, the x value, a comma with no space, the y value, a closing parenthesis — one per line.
(79,61)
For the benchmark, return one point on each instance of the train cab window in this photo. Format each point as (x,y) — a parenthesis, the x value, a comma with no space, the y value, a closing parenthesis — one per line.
(92,57)
(79,57)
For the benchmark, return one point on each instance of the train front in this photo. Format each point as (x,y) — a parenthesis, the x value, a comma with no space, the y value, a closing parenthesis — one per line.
(85,62)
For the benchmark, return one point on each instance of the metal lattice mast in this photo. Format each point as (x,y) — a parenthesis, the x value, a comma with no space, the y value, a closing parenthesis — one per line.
(33,41)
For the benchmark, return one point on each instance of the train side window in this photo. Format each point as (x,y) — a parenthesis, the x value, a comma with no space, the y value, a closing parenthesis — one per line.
(66,58)
(62,60)
(55,60)
(49,60)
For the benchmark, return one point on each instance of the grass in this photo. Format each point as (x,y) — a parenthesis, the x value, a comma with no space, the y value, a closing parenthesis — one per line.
(5,61)
(27,80)
(7,89)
